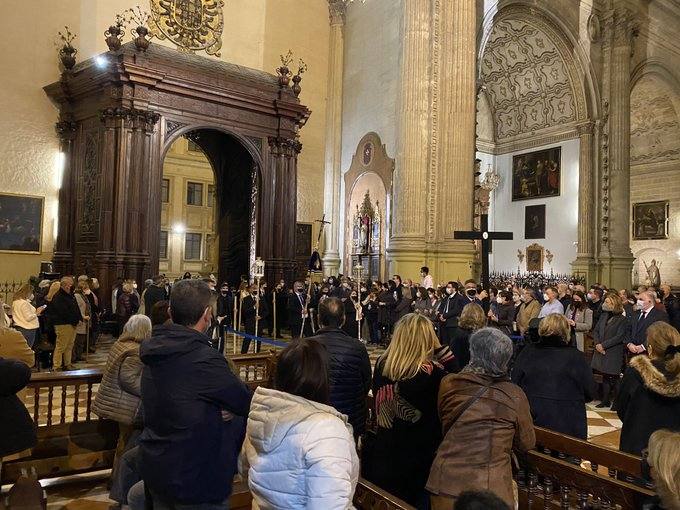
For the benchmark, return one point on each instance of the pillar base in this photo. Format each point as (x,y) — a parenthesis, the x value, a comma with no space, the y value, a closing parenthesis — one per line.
(447,261)
(616,271)
(586,267)
(331,263)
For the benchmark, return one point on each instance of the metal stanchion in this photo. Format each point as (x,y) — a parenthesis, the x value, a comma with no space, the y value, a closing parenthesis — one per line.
(257,273)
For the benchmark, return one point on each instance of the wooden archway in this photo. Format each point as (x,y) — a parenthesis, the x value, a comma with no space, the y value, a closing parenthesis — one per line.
(116,121)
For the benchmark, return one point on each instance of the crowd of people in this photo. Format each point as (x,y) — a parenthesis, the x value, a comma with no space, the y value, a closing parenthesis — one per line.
(465,375)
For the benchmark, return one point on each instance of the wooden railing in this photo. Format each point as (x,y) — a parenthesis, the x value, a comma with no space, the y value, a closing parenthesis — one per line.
(565,472)
(562,472)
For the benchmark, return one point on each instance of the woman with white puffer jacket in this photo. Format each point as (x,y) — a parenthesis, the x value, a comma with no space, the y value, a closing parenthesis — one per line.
(299,452)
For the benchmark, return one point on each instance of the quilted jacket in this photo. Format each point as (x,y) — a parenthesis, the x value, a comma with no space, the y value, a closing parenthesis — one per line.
(298,454)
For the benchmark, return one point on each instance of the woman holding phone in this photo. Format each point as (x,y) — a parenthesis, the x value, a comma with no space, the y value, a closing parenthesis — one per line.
(25,315)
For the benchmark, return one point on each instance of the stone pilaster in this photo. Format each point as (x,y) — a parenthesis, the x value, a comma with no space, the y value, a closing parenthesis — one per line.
(616,257)
(585,261)
(333,171)
(409,217)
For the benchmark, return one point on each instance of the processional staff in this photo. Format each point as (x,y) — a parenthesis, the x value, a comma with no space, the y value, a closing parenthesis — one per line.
(358,272)
(258,273)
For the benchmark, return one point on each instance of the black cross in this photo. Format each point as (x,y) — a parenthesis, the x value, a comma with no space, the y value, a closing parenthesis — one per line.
(486,237)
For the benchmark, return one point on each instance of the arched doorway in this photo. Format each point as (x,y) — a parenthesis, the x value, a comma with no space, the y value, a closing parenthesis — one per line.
(208,220)
(116,123)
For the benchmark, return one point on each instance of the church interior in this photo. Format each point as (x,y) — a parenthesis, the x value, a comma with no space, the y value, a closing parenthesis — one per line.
(398,159)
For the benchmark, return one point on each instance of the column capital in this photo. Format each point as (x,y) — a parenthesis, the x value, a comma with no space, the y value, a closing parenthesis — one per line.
(336,11)
(625,25)
(585,128)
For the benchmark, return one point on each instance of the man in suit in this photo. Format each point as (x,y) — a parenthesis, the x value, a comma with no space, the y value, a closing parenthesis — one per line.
(298,311)
(250,317)
(470,295)
(672,304)
(448,312)
(647,315)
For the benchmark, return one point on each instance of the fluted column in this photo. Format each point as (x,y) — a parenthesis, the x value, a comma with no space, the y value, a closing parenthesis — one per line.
(615,240)
(413,133)
(585,262)
(333,171)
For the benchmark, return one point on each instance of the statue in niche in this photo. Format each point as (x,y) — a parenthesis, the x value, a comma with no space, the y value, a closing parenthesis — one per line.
(653,274)
(366,231)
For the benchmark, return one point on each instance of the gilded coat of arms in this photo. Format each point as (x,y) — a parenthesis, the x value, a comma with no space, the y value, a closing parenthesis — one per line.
(193,25)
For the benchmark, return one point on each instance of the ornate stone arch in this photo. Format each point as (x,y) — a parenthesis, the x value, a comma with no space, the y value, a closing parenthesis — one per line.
(536,76)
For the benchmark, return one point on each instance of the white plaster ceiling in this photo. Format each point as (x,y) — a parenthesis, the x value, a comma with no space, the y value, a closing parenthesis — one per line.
(527,80)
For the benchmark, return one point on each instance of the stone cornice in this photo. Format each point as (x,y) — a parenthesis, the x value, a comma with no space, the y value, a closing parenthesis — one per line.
(568,132)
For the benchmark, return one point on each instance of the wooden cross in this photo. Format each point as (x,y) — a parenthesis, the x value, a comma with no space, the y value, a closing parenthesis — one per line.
(486,238)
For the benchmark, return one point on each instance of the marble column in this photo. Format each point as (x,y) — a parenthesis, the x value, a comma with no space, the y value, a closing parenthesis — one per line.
(456,137)
(587,217)
(333,171)
(409,217)
(616,257)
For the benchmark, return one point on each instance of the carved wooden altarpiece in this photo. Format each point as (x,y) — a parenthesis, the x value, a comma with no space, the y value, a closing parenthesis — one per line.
(116,123)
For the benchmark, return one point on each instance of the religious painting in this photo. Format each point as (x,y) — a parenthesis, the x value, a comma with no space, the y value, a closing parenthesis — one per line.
(534,222)
(535,258)
(367,153)
(650,220)
(303,240)
(20,223)
(537,174)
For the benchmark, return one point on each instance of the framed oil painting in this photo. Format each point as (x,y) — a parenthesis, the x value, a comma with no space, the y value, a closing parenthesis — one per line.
(650,220)
(534,222)
(21,219)
(535,258)
(537,174)
(303,240)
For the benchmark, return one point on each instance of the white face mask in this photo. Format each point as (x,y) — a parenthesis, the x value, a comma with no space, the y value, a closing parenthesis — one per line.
(641,304)
(516,298)
(30,298)
(449,291)
(87,291)
(499,300)
(546,297)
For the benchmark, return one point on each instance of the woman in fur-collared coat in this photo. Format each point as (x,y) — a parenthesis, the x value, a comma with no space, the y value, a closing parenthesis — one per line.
(649,397)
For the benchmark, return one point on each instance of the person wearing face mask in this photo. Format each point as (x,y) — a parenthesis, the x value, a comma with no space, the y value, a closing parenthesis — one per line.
(505,313)
(672,304)
(250,318)
(154,293)
(298,311)
(516,300)
(470,295)
(528,310)
(551,303)
(350,326)
(25,315)
(188,450)
(564,294)
(611,333)
(594,297)
(449,311)
(646,315)
(422,305)
(580,319)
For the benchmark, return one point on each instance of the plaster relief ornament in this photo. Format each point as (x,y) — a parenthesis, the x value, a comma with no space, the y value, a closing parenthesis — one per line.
(193,25)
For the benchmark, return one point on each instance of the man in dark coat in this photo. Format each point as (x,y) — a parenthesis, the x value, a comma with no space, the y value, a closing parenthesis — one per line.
(449,312)
(17,431)
(154,293)
(672,305)
(645,317)
(190,446)
(250,313)
(349,365)
(64,315)
(298,311)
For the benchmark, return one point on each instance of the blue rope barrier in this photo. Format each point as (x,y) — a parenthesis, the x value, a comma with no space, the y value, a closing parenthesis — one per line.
(269,341)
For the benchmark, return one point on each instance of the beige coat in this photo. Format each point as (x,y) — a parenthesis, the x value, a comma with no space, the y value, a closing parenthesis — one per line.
(527,312)
(13,345)
(119,394)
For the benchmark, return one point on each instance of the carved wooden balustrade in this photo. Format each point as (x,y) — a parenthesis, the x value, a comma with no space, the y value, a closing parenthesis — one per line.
(565,472)
(255,369)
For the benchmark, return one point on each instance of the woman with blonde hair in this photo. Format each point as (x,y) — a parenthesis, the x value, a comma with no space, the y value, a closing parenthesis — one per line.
(119,395)
(556,379)
(405,386)
(26,315)
(649,398)
(471,319)
(611,334)
(663,458)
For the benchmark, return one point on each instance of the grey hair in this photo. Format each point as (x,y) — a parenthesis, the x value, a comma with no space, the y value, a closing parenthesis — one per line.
(138,327)
(490,352)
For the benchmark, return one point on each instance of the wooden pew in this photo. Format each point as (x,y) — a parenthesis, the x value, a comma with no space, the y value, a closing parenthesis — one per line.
(73,440)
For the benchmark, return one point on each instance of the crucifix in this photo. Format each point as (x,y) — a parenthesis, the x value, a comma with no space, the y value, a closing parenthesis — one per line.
(486,238)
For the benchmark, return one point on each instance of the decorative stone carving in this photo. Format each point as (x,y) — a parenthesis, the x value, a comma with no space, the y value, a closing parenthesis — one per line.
(66,129)
(171,127)
(285,146)
(336,11)
(530,75)
(134,118)
(594,28)
(654,126)
(193,25)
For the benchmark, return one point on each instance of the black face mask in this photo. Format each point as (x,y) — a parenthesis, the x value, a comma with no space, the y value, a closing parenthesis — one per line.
(471,292)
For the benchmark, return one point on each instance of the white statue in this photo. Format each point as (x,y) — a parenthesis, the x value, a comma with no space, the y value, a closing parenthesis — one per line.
(653,274)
